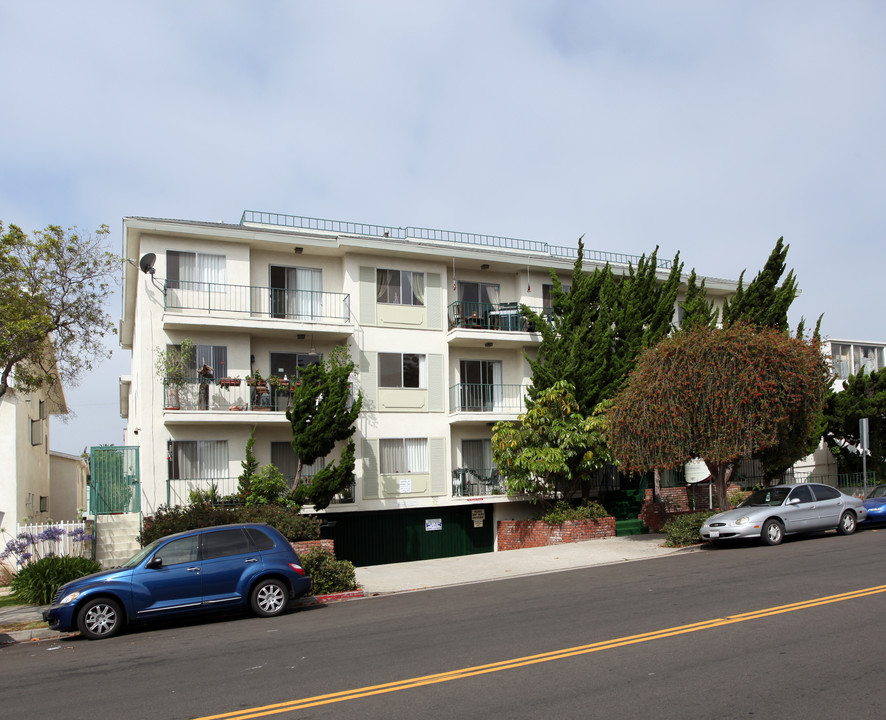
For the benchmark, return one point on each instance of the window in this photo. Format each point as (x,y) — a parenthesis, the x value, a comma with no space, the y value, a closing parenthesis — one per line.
(223,543)
(404,455)
(481,387)
(195,271)
(215,356)
(286,461)
(179,551)
(296,292)
(547,292)
(400,287)
(826,492)
(288,365)
(44,503)
(36,432)
(198,459)
(402,370)
(840,359)
(803,493)
(260,539)
(869,359)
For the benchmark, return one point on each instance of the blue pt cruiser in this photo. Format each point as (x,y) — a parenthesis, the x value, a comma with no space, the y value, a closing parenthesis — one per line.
(216,568)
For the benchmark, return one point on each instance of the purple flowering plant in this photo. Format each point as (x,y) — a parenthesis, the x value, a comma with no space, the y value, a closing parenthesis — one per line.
(28,546)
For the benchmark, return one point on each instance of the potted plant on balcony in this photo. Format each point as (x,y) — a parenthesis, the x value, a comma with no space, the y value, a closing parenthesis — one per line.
(229,382)
(172,363)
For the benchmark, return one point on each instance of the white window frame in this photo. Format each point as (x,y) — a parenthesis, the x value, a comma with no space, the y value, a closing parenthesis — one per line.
(400,456)
(422,371)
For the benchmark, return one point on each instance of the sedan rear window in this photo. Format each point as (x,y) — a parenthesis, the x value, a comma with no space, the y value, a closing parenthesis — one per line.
(825,492)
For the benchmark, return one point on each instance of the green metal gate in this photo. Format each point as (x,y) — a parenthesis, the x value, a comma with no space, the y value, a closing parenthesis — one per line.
(378,538)
(113,480)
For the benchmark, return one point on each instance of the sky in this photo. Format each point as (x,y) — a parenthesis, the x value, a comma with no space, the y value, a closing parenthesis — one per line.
(708,128)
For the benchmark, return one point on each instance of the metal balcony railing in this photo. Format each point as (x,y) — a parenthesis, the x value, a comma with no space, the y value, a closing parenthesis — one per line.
(473,482)
(504,317)
(258,302)
(486,398)
(222,394)
(447,236)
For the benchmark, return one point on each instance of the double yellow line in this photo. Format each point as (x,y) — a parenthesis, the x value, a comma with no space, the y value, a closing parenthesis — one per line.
(535,659)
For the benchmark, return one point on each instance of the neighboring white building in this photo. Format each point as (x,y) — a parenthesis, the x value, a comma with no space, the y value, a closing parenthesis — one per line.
(849,357)
(430,317)
(25,488)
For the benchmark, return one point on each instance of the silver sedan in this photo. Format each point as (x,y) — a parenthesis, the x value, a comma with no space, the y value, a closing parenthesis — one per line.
(773,512)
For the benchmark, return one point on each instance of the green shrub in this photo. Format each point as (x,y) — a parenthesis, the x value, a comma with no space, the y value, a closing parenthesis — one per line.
(330,575)
(564,512)
(267,487)
(36,582)
(294,526)
(684,530)
(167,521)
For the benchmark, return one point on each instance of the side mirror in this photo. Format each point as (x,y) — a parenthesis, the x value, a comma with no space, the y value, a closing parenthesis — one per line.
(154,563)
(794,501)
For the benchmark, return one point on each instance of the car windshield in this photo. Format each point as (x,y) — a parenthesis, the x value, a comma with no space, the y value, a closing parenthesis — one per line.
(142,554)
(766,496)
(879,491)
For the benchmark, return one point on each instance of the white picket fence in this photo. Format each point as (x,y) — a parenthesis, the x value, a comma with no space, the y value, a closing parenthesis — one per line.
(64,546)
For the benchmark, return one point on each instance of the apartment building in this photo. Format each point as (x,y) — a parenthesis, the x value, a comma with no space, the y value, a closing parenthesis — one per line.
(430,317)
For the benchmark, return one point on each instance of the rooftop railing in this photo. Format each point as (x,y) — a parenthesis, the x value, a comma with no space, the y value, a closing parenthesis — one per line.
(447,236)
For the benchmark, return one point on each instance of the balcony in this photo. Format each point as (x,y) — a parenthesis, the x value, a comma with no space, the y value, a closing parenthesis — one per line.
(476,323)
(224,395)
(477,482)
(189,304)
(503,401)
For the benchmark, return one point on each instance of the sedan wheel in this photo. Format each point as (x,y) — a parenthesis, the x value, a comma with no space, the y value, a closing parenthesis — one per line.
(847,523)
(269,598)
(100,618)
(773,532)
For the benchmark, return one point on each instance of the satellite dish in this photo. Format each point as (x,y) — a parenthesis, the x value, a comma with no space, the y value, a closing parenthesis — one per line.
(147,263)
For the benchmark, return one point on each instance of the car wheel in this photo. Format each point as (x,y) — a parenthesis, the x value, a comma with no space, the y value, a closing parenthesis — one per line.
(100,618)
(847,523)
(772,533)
(269,598)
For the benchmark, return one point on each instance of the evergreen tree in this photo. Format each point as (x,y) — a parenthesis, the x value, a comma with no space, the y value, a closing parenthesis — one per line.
(322,415)
(249,467)
(595,331)
(698,311)
(764,303)
(863,396)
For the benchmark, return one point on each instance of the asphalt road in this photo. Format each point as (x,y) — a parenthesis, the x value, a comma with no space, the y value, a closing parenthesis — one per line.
(744,632)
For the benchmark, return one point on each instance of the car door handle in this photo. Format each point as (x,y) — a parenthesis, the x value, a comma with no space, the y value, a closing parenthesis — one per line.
(194,569)
(251,560)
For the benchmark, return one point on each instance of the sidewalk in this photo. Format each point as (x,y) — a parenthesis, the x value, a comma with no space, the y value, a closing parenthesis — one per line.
(427,574)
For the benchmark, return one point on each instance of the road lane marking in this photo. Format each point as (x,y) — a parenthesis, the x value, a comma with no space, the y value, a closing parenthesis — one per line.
(292,705)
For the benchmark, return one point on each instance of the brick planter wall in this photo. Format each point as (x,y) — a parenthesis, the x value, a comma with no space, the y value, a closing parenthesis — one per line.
(516,534)
(675,501)
(303,546)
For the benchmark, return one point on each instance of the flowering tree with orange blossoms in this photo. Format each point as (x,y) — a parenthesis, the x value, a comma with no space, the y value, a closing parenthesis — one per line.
(721,395)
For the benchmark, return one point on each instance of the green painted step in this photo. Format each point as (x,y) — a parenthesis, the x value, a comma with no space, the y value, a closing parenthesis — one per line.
(630,527)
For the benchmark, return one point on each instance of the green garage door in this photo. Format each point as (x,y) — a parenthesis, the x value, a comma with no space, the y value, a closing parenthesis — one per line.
(377,538)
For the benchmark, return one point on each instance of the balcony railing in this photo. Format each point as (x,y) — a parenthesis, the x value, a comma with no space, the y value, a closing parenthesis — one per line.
(504,317)
(223,395)
(486,398)
(258,302)
(473,482)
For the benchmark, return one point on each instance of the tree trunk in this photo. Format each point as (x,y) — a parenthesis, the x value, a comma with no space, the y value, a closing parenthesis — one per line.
(721,474)
(656,485)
